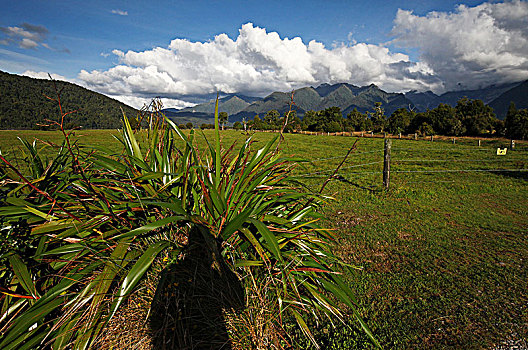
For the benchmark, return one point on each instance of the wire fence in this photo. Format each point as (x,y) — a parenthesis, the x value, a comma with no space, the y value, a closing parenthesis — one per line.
(432,161)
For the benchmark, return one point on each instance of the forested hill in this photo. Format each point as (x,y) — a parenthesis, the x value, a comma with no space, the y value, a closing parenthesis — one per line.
(24,105)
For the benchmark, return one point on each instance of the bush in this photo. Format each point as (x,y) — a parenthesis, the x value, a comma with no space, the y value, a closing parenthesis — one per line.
(100,221)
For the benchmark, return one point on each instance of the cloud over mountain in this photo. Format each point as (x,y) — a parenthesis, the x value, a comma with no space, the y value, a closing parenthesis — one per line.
(472,46)
(256,62)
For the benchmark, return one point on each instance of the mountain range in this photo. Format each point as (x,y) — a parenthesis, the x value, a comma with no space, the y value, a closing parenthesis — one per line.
(24,103)
(348,96)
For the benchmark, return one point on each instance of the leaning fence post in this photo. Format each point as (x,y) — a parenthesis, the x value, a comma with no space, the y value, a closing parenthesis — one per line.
(386,163)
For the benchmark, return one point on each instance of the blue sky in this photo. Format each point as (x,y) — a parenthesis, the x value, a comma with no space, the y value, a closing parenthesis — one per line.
(76,40)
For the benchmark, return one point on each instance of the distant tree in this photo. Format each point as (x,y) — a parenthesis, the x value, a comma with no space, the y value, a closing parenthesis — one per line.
(356,121)
(223,117)
(475,116)
(518,124)
(418,120)
(258,124)
(509,121)
(399,120)
(237,125)
(333,126)
(426,129)
(311,121)
(445,121)
(332,119)
(377,116)
(271,118)
(189,125)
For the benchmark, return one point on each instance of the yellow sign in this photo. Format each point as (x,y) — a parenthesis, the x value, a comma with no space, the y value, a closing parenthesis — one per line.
(501,152)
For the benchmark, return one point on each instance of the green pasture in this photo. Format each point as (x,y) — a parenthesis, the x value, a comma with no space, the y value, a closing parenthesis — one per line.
(441,256)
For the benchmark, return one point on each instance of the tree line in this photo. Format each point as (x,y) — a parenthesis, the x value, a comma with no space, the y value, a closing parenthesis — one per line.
(467,118)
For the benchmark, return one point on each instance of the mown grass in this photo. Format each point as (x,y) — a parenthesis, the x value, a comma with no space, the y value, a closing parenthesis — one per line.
(443,253)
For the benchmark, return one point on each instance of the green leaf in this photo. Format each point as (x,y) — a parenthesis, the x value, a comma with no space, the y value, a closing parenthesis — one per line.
(151,226)
(271,240)
(21,271)
(136,273)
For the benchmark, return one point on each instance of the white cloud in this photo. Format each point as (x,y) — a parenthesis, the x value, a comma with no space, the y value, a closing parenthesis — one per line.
(43,75)
(139,102)
(26,43)
(475,46)
(120,12)
(256,63)
(27,36)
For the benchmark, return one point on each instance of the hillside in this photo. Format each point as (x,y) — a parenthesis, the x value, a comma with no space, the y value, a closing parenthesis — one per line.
(23,104)
(518,95)
(497,96)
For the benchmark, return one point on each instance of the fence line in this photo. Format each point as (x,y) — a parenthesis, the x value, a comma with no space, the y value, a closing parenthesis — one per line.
(330,170)
(457,160)
(421,163)
(318,174)
(455,170)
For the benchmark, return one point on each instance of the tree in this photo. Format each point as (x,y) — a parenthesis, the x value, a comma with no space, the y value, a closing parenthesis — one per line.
(271,118)
(475,116)
(445,120)
(518,124)
(311,121)
(400,120)
(223,117)
(378,117)
(356,120)
(189,125)
(258,124)
(509,121)
(237,125)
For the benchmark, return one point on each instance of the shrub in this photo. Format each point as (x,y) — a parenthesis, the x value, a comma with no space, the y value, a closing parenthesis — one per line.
(99,221)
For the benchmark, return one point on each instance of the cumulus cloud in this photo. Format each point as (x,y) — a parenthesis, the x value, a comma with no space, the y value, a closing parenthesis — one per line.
(256,63)
(120,12)
(472,46)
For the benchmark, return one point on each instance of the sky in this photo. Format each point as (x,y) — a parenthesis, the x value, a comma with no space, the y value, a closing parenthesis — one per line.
(185,51)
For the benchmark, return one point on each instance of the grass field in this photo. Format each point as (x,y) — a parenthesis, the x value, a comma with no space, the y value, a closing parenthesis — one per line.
(442,254)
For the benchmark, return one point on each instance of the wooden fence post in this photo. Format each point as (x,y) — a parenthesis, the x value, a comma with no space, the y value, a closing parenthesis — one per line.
(415,136)
(386,163)
(454,141)
(479,142)
(512,144)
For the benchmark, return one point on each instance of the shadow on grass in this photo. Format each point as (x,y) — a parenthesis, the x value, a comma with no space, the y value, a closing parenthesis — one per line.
(372,188)
(186,311)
